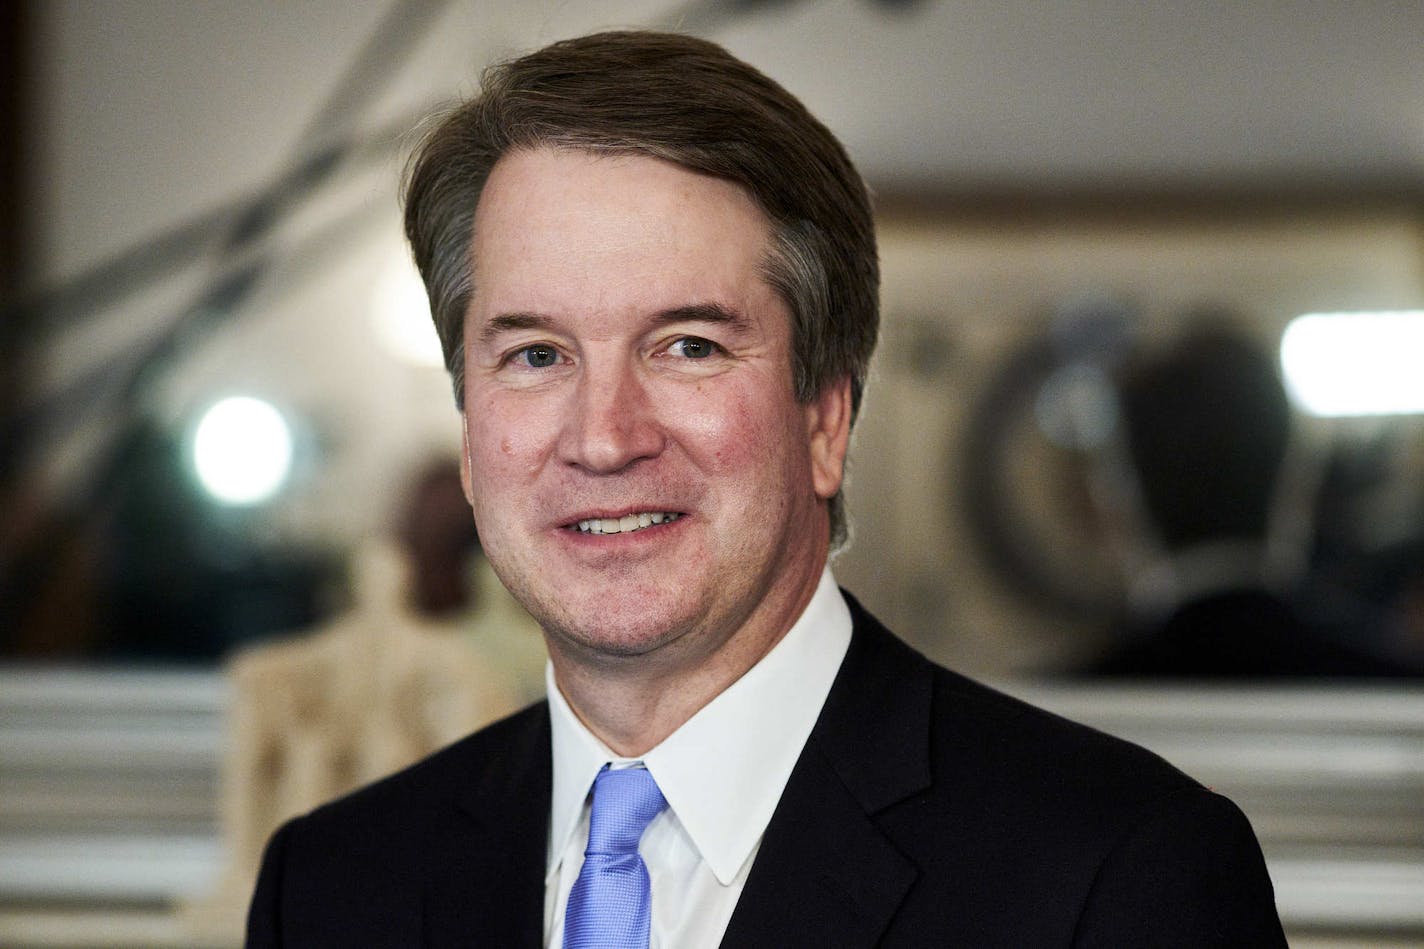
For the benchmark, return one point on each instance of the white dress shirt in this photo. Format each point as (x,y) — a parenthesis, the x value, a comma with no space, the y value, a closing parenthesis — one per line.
(722,773)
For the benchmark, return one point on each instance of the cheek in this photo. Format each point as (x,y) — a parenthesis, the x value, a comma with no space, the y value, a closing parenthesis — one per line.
(505,437)
(742,434)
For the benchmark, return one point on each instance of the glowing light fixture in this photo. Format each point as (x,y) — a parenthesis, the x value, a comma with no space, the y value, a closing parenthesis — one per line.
(242,450)
(1338,364)
(400,313)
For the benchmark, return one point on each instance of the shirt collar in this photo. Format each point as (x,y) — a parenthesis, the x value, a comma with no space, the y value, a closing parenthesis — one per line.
(724,769)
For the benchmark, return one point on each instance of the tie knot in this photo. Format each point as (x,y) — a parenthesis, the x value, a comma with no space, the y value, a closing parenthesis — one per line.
(624,802)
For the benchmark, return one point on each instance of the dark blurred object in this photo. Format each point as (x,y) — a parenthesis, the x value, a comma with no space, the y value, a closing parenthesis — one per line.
(1367,558)
(1206,425)
(437,531)
(1236,633)
(705,17)
(1026,462)
(16,207)
(185,579)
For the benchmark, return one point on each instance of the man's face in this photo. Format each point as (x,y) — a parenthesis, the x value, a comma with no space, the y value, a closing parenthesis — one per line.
(628,369)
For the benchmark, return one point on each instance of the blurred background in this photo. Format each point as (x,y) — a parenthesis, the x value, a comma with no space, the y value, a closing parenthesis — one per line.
(1144,441)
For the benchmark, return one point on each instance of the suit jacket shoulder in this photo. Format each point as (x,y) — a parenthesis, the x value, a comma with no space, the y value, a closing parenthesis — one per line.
(928,809)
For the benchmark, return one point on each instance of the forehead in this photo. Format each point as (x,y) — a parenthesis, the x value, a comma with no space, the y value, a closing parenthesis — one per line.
(571,222)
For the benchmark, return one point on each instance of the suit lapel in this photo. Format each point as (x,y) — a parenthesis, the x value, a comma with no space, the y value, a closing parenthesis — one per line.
(825,873)
(488,850)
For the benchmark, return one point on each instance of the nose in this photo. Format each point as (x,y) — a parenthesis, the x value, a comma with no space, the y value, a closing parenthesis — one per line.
(613,422)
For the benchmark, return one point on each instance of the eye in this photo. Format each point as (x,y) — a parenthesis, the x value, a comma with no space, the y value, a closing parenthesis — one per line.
(538,356)
(693,347)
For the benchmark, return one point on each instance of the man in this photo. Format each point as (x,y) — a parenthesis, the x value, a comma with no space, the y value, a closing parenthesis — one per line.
(655,279)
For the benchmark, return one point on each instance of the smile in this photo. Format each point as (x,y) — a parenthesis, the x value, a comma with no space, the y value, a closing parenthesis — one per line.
(625,524)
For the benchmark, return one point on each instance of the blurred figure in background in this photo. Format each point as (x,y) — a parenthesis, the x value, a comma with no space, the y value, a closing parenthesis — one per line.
(1207,426)
(432,648)
(452,583)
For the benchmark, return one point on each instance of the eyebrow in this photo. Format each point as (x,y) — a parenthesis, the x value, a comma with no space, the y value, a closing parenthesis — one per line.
(691,313)
(508,322)
(703,313)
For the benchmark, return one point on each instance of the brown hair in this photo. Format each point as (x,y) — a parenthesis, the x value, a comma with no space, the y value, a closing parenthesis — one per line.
(690,102)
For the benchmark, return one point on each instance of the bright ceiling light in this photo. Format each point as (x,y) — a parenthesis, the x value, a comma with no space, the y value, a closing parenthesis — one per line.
(1338,364)
(400,314)
(242,450)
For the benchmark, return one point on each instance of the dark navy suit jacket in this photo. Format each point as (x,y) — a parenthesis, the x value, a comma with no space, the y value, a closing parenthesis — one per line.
(925,810)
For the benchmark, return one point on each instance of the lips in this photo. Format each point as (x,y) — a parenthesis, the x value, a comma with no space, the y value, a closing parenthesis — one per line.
(624,524)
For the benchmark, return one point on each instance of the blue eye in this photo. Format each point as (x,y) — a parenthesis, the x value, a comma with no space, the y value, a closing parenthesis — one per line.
(538,356)
(694,347)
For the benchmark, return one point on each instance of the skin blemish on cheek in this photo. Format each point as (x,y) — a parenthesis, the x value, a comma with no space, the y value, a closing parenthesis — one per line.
(506,446)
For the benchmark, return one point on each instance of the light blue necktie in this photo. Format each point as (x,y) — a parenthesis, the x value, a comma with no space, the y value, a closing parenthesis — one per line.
(610,906)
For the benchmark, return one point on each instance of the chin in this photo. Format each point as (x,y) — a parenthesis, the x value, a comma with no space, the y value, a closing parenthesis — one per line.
(613,635)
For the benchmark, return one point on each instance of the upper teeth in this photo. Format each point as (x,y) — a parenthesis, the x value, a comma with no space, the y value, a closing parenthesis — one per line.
(626,523)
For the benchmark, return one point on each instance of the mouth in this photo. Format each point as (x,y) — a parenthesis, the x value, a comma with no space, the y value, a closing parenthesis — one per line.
(625,524)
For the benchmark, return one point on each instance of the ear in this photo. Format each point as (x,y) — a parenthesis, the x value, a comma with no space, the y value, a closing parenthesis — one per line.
(465,464)
(828,430)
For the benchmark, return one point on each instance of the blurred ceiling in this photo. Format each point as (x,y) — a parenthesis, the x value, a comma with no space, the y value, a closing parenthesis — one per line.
(154,109)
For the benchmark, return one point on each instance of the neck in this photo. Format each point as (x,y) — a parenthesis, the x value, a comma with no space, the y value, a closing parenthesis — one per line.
(632,703)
